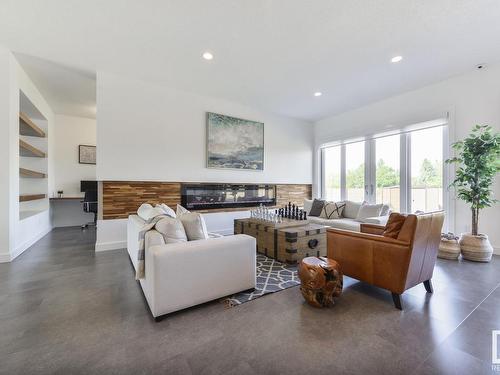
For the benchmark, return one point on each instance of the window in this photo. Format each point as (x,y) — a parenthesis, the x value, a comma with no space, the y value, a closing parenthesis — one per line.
(331,160)
(355,171)
(403,170)
(387,172)
(427,170)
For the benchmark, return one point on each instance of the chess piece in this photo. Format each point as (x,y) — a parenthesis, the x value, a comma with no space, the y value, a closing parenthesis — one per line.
(305,215)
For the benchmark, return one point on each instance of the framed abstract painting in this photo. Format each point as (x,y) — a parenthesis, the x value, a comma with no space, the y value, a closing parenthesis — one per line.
(86,154)
(234,143)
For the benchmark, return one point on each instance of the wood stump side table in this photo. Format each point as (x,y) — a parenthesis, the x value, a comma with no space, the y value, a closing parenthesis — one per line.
(321,280)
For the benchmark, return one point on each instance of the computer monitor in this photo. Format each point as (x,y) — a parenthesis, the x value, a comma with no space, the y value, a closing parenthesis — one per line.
(88,185)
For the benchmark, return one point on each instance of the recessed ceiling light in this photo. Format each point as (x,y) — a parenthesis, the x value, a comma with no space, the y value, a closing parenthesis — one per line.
(208,56)
(396,59)
(318,93)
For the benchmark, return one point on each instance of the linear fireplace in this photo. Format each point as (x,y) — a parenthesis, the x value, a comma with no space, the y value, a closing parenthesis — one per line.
(208,196)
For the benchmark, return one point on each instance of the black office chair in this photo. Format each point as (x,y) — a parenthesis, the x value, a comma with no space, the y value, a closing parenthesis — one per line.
(90,205)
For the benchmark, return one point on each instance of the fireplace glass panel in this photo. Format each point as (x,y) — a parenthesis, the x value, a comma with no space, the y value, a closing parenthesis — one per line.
(207,196)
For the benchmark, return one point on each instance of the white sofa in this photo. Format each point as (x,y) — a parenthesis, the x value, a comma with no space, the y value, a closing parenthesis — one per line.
(181,275)
(348,220)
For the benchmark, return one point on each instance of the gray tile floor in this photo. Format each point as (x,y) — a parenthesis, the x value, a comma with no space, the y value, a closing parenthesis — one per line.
(66,310)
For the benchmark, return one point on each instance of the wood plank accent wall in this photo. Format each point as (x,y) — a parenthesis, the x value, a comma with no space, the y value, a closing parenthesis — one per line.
(293,193)
(122,198)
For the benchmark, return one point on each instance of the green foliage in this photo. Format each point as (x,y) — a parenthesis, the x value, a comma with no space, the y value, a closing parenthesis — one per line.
(355,178)
(386,175)
(430,174)
(478,161)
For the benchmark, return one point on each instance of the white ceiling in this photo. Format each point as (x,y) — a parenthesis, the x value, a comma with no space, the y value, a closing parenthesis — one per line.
(68,91)
(271,54)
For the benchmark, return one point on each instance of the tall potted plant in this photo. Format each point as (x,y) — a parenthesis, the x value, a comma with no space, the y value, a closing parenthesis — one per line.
(478,161)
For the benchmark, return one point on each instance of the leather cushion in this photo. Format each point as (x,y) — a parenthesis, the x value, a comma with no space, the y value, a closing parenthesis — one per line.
(332,210)
(317,207)
(394,225)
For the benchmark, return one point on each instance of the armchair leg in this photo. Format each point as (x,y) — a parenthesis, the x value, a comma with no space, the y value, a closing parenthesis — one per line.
(397,301)
(428,286)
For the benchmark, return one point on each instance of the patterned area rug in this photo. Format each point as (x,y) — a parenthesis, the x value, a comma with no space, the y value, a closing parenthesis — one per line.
(272,276)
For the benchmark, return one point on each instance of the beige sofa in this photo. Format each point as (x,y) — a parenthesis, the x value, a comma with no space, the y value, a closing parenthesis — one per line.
(349,220)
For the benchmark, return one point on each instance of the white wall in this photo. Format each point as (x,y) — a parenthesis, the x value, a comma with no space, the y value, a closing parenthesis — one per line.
(149,132)
(7,78)
(69,133)
(471,99)
(17,235)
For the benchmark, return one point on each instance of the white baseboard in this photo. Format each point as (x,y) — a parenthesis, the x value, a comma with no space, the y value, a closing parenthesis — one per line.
(112,245)
(6,257)
(21,249)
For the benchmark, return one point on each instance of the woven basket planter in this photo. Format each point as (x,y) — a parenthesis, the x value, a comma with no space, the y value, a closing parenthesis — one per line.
(476,248)
(449,249)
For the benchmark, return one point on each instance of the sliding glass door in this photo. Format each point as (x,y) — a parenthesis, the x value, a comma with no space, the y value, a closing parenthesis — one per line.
(426,170)
(403,170)
(355,171)
(332,167)
(387,171)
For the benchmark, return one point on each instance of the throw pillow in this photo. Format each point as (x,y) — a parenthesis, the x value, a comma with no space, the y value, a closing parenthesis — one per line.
(195,226)
(394,225)
(172,230)
(317,207)
(168,211)
(351,209)
(368,210)
(332,210)
(181,210)
(147,212)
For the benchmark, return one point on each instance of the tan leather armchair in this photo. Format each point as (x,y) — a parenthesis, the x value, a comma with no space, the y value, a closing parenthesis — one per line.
(389,263)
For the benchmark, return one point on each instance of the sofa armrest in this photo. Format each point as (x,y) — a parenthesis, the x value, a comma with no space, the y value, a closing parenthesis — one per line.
(153,238)
(378,220)
(378,260)
(183,274)
(367,236)
(371,228)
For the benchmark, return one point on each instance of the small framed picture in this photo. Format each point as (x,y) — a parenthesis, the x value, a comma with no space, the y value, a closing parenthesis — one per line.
(86,154)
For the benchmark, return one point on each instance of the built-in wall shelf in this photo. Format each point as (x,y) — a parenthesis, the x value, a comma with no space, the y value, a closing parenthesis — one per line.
(28,127)
(25,149)
(31,197)
(28,173)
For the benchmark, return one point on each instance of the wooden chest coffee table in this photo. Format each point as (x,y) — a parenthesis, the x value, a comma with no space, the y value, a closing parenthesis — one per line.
(288,242)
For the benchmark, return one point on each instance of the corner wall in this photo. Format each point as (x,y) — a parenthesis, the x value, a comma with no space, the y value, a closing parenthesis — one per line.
(17,235)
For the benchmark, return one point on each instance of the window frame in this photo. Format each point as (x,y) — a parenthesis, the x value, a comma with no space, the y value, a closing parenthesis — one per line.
(405,165)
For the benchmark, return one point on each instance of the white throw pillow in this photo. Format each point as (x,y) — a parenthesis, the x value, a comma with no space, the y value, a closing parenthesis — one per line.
(144,210)
(351,209)
(168,211)
(147,212)
(195,226)
(172,230)
(181,211)
(332,210)
(369,210)
(308,205)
